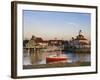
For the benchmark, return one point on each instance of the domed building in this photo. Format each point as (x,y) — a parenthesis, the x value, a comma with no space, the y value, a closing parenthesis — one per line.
(80,41)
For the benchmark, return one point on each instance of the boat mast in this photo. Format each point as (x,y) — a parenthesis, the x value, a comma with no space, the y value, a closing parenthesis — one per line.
(60,47)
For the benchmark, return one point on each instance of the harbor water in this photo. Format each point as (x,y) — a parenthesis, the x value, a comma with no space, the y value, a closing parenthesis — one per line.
(71,57)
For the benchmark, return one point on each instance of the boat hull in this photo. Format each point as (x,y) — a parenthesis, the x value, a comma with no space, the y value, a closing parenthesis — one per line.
(55,59)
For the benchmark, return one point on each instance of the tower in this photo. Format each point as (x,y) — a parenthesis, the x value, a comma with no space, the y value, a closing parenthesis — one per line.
(80,32)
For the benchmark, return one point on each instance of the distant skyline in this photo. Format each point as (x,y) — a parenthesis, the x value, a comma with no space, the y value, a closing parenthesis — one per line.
(51,24)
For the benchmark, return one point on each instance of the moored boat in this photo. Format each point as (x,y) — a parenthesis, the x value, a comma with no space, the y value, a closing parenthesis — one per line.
(56,58)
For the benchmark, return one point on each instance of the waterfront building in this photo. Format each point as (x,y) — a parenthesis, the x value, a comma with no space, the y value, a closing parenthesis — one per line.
(80,41)
(55,42)
(34,50)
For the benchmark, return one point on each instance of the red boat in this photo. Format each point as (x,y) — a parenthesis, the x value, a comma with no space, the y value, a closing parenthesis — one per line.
(55,58)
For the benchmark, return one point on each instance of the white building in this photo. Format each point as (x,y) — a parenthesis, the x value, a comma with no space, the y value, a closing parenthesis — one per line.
(80,41)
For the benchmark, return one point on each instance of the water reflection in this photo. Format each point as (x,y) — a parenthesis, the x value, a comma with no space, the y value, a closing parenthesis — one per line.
(40,58)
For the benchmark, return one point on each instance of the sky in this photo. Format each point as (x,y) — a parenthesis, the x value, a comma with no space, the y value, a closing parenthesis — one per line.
(60,25)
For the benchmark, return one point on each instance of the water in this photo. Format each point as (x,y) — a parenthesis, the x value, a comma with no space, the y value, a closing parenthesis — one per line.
(72,57)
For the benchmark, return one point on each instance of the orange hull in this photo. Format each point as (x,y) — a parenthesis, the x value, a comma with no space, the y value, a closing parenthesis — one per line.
(55,59)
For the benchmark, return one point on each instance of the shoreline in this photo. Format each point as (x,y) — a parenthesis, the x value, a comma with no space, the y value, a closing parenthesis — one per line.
(57,65)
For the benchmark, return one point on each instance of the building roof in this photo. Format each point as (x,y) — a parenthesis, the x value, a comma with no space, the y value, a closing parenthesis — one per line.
(80,37)
(38,39)
(31,44)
